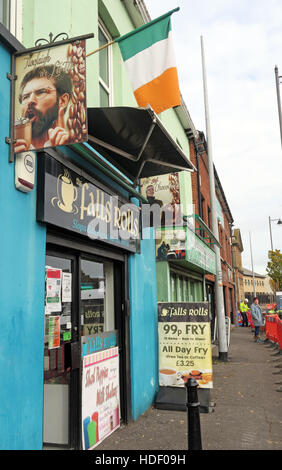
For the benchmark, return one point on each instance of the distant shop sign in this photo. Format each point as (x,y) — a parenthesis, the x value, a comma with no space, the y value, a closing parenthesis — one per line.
(199,253)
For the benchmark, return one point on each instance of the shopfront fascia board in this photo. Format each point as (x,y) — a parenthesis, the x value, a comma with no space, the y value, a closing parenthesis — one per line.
(71,199)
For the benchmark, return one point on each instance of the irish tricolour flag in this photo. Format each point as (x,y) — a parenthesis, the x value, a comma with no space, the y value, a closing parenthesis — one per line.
(149,58)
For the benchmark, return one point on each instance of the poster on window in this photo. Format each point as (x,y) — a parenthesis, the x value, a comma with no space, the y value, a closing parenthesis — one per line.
(53,290)
(54,332)
(50,97)
(100,396)
(184,344)
(66,287)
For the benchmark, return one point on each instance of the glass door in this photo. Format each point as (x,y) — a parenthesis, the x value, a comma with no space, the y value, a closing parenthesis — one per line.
(84,297)
(60,336)
(101,300)
(97,297)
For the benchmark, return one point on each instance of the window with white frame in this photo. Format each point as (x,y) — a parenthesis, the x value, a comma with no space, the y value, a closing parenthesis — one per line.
(105,67)
(11,16)
(5,13)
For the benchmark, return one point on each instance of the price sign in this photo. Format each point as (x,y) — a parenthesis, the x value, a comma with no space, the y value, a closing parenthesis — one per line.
(184,344)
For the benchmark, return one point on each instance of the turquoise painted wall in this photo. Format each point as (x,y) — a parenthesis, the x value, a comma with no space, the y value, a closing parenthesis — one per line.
(22,254)
(143,326)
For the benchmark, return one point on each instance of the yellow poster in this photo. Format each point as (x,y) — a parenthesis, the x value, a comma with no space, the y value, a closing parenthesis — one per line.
(184,344)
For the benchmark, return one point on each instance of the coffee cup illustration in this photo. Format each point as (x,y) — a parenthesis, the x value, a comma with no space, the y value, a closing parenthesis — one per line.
(167,376)
(66,193)
(23,130)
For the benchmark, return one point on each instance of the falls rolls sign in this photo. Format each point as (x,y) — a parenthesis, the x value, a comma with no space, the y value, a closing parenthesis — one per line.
(184,344)
(73,201)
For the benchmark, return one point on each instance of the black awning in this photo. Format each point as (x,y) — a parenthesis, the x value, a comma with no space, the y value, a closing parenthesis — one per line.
(135,141)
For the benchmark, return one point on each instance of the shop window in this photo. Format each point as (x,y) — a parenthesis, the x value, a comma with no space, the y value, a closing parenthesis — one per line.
(105,67)
(173,288)
(5,13)
(185,289)
(192,291)
(199,291)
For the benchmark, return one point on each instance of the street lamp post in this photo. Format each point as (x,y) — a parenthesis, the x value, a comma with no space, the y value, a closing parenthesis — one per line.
(254,282)
(277,80)
(279,222)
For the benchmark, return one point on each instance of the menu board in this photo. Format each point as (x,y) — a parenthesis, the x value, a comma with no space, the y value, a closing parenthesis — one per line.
(184,344)
(100,396)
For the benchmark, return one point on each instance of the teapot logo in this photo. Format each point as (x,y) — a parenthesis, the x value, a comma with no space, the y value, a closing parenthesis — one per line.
(66,194)
(164,312)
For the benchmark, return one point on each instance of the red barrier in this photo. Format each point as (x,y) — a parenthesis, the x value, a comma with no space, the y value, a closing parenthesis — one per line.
(271,327)
(279,329)
(250,320)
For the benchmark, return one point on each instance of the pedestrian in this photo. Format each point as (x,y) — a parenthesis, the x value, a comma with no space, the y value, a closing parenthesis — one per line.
(257,318)
(243,309)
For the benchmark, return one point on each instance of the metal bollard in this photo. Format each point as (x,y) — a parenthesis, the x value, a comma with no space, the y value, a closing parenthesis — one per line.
(193,409)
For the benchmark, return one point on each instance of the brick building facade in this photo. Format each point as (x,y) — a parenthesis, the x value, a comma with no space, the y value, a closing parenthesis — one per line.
(202,207)
(237,246)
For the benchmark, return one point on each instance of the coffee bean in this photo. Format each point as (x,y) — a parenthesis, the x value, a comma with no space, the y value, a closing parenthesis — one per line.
(81,96)
(83,114)
(77,111)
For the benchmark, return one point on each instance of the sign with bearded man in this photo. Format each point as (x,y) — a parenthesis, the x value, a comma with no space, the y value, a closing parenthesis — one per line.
(50,97)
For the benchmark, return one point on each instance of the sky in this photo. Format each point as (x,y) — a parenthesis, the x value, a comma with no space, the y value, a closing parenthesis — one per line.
(242,43)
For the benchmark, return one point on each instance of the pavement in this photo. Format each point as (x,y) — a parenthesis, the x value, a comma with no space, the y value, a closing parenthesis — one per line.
(247,411)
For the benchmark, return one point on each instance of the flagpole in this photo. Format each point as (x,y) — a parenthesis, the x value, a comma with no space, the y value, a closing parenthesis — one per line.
(144,26)
(278,99)
(147,25)
(100,48)
(222,341)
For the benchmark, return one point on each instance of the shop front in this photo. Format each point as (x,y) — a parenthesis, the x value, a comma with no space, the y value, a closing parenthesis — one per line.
(86,302)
